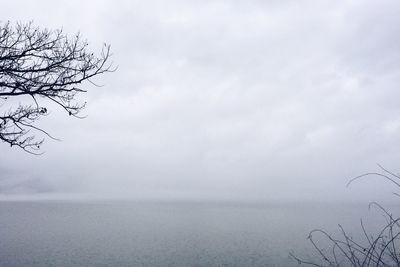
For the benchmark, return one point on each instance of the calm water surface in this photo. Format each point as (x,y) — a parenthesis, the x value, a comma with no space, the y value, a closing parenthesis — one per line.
(165,234)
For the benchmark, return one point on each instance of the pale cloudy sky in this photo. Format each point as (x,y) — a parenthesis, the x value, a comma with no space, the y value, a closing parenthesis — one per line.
(221,99)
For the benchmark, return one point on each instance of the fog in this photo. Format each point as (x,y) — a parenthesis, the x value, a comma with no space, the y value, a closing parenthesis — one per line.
(222,100)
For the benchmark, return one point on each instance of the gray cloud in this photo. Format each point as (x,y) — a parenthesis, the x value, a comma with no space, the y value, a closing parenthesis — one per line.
(229,99)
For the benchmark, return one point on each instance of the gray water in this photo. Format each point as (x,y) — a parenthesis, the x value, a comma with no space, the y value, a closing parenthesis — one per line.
(93,233)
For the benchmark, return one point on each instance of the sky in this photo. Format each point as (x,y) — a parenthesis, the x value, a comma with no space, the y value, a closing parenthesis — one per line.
(222,100)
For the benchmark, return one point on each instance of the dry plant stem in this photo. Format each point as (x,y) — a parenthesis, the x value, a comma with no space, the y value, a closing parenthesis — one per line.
(376,250)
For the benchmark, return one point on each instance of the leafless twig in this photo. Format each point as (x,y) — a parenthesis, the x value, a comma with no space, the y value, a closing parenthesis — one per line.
(40,64)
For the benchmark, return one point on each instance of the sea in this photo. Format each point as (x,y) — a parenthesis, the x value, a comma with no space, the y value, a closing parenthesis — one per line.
(168,233)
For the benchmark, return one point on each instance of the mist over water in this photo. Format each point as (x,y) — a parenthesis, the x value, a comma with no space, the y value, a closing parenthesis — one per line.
(51,233)
(228,132)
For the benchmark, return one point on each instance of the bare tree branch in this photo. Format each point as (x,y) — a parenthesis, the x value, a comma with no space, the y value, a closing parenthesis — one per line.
(43,65)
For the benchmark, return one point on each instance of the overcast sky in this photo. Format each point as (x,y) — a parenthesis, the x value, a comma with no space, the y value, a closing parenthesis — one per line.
(274,100)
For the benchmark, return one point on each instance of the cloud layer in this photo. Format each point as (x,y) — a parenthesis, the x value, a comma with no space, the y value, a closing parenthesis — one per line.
(223,99)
